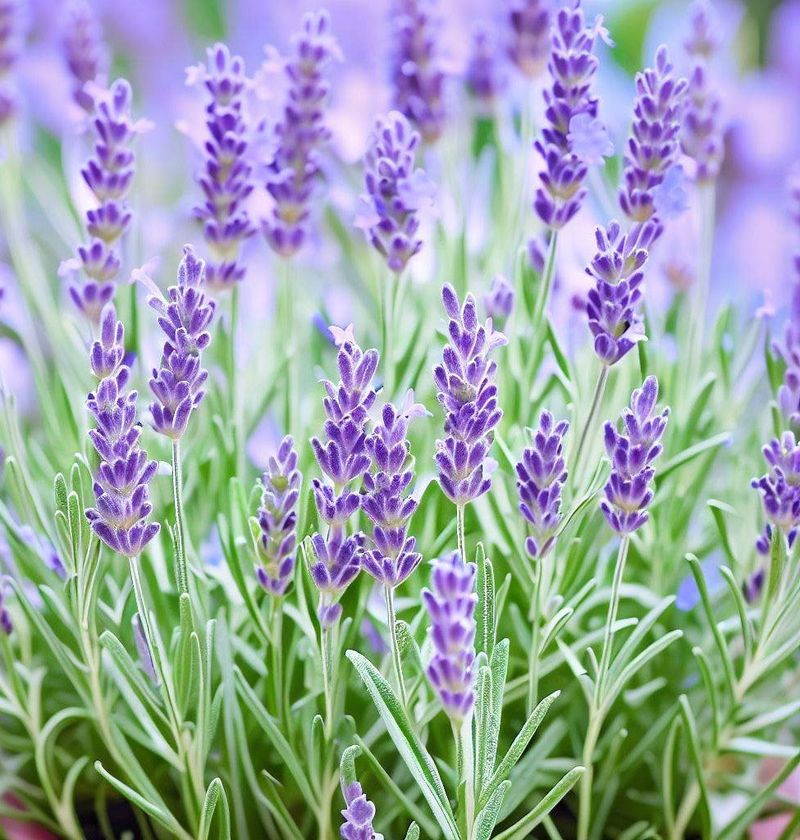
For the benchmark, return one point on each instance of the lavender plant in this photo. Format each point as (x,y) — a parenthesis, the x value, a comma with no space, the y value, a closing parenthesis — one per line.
(352,616)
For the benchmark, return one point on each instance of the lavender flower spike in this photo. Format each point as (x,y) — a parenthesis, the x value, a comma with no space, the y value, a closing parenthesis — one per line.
(84,50)
(451,607)
(10,48)
(572,115)
(390,557)
(395,191)
(301,135)
(540,476)
(612,304)
(466,391)
(485,77)
(701,133)
(177,384)
(226,175)
(108,174)
(343,457)
(529,36)
(358,815)
(417,74)
(632,452)
(277,519)
(780,489)
(124,473)
(499,300)
(653,145)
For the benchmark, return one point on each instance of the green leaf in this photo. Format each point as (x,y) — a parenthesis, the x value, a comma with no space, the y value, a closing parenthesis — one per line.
(485,621)
(214,795)
(411,749)
(718,511)
(688,455)
(523,828)
(487,817)
(413,832)
(696,754)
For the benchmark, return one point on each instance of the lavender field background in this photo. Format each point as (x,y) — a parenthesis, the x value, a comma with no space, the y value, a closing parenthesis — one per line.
(398,415)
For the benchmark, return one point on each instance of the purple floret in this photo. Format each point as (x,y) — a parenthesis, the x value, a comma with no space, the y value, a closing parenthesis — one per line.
(780,489)
(358,815)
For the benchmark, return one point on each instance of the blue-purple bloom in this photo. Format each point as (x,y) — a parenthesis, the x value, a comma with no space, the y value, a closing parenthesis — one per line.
(301,136)
(541,474)
(358,815)
(468,394)
(226,177)
(390,555)
(780,489)
(499,300)
(451,607)
(653,145)
(184,317)
(485,77)
(529,35)
(85,50)
(277,519)
(417,73)
(10,48)
(122,477)
(632,453)
(395,191)
(572,68)
(108,174)
(612,303)
(343,457)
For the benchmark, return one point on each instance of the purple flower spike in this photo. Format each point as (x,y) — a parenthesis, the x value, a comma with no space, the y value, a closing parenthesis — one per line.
(277,518)
(499,300)
(417,74)
(301,135)
(390,556)
(540,476)
(612,304)
(780,489)
(184,318)
(466,391)
(395,191)
(343,456)
(702,130)
(358,815)
(451,607)
(653,145)
(226,175)
(789,392)
(632,453)
(485,78)
(124,473)
(529,35)
(10,48)
(84,50)
(109,175)
(573,127)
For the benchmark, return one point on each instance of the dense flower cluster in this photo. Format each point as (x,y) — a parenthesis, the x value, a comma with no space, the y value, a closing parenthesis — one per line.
(10,38)
(395,191)
(184,317)
(573,127)
(358,815)
(529,35)
(499,300)
(108,174)
(226,175)
(417,73)
(484,74)
(701,133)
(780,489)
(391,556)
(466,391)
(632,453)
(451,608)
(617,270)
(277,519)
(124,472)
(343,457)
(85,51)
(301,134)
(541,474)
(653,145)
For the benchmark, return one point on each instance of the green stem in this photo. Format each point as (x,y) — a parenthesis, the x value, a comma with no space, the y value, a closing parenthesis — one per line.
(398,665)
(182,571)
(389,291)
(233,379)
(327,680)
(613,609)
(597,399)
(533,653)
(585,791)
(289,330)
(462,548)
(277,655)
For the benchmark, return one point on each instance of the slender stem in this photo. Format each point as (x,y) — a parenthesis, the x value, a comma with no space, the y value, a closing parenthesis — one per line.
(233,379)
(325,651)
(181,570)
(533,653)
(289,331)
(543,298)
(460,532)
(398,665)
(388,334)
(467,771)
(277,655)
(585,791)
(597,398)
(613,608)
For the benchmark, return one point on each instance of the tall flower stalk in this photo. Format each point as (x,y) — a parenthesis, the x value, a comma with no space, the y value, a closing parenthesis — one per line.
(85,50)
